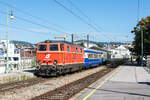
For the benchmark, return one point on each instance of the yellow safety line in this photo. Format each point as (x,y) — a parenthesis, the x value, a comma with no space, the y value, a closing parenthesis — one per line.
(85,98)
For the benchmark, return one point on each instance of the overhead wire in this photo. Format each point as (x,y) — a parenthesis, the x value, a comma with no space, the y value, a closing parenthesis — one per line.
(86,16)
(31,15)
(74,14)
(90,20)
(81,19)
(47,27)
(35,23)
(25,29)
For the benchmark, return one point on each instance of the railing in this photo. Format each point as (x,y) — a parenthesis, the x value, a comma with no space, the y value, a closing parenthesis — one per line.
(148,61)
(24,63)
(2,65)
(27,63)
(148,64)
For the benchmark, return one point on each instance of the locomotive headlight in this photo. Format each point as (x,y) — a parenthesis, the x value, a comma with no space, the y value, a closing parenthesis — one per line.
(38,67)
(55,62)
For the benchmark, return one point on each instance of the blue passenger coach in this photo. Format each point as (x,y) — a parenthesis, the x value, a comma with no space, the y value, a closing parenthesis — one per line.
(92,58)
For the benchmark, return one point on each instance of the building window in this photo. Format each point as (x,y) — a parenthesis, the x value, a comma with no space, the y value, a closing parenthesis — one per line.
(9,58)
(16,51)
(15,58)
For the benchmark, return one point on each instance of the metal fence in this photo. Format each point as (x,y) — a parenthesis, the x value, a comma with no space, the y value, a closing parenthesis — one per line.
(148,61)
(24,63)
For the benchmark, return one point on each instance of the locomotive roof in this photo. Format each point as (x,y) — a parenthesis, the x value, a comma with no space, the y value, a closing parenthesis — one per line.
(60,41)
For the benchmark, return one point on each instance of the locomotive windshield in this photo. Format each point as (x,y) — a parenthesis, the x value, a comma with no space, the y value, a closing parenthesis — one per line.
(42,47)
(53,47)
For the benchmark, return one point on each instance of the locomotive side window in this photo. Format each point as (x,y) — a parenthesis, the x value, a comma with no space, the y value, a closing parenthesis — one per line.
(81,50)
(68,48)
(42,47)
(53,47)
(90,56)
(76,49)
(62,47)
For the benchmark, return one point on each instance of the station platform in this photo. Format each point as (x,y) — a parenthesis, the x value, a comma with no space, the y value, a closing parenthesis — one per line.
(17,75)
(125,83)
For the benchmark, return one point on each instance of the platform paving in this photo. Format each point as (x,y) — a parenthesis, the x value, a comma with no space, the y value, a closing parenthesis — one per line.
(128,83)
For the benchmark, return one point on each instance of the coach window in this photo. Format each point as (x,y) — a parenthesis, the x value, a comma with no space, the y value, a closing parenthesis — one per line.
(42,47)
(90,56)
(68,48)
(53,47)
(99,55)
(95,56)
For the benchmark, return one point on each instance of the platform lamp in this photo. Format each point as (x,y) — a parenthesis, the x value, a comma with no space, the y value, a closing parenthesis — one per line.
(7,58)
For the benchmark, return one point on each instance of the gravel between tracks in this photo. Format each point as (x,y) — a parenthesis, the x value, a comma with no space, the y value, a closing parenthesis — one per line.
(29,92)
(67,91)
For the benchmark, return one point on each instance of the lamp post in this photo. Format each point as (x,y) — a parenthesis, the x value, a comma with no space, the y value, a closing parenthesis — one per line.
(7,58)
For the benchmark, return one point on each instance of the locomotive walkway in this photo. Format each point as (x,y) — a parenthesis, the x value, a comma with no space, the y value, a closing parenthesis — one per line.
(126,83)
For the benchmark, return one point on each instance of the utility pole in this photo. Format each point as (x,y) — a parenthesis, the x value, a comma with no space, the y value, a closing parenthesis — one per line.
(141,46)
(7,63)
(72,37)
(88,38)
(7,58)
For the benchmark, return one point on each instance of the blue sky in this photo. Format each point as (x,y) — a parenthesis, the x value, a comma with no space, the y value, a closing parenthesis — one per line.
(116,19)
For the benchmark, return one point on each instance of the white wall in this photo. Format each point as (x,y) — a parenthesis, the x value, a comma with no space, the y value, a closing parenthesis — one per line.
(2,69)
(120,52)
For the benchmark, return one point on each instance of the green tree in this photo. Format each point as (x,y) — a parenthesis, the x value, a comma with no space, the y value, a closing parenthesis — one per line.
(100,45)
(143,25)
(81,44)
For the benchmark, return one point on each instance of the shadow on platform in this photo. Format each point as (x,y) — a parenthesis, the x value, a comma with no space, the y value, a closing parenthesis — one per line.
(131,64)
(30,71)
(148,83)
(122,92)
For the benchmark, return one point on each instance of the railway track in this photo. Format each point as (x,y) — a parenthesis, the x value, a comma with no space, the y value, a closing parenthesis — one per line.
(8,87)
(67,91)
(20,84)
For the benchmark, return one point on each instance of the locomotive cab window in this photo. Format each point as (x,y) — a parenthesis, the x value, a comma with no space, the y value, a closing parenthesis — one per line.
(53,47)
(42,47)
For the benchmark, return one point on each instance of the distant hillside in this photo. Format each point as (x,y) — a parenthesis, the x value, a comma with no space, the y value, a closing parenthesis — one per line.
(21,43)
(112,43)
(86,41)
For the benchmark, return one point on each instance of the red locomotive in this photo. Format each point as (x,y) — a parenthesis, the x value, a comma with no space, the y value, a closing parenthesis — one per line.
(58,57)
